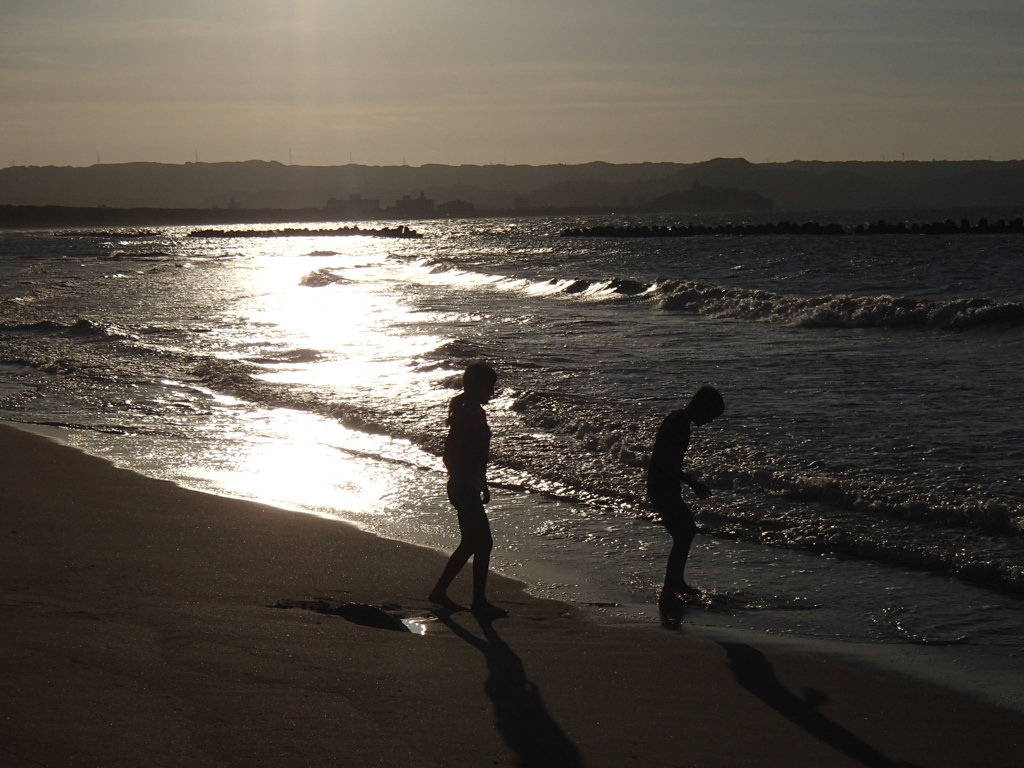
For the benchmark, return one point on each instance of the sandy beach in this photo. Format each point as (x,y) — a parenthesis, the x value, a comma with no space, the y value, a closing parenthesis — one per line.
(148,625)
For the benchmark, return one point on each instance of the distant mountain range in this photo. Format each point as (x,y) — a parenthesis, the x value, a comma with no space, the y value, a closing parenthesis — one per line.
(722,184)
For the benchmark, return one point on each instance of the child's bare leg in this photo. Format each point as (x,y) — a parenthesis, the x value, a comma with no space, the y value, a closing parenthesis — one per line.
(459,558)
(481,565)
(675,584)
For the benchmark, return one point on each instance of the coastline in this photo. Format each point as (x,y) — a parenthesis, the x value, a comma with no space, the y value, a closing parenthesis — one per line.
(143,627)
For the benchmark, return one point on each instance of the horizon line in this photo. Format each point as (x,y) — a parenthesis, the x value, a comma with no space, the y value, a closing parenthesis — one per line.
(883,161)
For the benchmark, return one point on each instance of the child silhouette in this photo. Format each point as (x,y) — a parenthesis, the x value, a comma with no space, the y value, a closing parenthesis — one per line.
(664,489)
(465,456)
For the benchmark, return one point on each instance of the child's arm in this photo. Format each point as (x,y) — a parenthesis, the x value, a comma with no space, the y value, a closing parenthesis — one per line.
(478,480)
(696,485)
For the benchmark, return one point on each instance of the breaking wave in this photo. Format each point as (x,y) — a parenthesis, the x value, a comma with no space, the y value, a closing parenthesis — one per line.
(754,305)
(323,277)
(82,329)
(834,311)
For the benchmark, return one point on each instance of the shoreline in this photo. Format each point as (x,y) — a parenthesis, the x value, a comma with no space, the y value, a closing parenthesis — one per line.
(143,626)
(987,674)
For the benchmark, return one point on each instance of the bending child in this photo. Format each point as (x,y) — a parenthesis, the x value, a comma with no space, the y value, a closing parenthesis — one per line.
(465,456)
(664,489)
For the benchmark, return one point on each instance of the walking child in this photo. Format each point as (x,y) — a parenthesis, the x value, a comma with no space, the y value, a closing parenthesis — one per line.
(465,456)
(664,488)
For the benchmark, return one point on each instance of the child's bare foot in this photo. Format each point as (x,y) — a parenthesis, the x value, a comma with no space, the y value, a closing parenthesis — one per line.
(486,610)
(671,609)
(686,591)
(669,600)
(441,598)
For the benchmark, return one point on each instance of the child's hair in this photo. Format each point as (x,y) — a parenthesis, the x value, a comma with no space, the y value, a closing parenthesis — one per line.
(475,375)
(479,374)
(709,400)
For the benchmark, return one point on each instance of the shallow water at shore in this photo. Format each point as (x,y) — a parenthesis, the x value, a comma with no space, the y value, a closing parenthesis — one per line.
(854,500)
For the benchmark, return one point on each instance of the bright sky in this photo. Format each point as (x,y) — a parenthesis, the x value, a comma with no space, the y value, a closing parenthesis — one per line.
(509,81)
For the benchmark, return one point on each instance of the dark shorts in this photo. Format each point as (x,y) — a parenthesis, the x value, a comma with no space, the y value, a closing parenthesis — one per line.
(466,499)
(667,499)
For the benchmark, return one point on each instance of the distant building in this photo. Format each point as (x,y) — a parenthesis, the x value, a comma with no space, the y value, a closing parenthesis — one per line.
(456,209)
(353,208)
(414,208)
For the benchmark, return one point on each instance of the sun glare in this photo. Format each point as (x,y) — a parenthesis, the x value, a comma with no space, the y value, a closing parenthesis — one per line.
(297,461)
(320,314)
(335,310)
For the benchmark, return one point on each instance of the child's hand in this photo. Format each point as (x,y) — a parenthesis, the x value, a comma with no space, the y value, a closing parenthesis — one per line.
(702,491)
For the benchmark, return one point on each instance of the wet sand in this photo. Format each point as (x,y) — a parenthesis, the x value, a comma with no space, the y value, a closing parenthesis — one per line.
(142,625)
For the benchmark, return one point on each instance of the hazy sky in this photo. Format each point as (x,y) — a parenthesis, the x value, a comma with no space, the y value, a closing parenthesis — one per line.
(513,81)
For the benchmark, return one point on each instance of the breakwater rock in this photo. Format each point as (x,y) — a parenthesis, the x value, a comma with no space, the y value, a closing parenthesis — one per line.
(403,232)
(947,227)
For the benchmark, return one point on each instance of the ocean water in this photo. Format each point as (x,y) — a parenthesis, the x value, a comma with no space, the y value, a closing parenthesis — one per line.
(868,473)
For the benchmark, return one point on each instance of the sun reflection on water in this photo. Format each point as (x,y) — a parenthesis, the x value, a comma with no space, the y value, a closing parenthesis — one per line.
(297,461)
(353,328)
(329,317)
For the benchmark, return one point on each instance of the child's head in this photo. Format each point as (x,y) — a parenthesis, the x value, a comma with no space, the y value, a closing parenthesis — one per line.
(705,405)
(479,378)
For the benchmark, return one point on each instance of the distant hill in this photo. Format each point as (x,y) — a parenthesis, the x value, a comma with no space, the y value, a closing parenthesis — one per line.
(701,198)
(606,186)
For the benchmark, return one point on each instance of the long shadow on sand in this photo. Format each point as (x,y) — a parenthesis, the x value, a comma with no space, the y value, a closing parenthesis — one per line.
(519,711)
(754,672)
